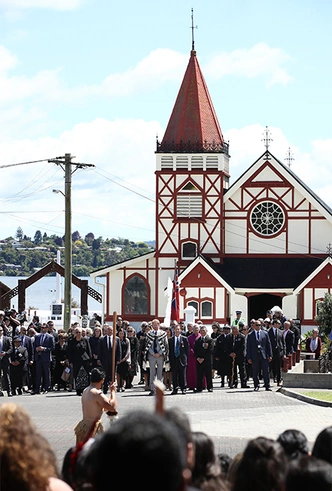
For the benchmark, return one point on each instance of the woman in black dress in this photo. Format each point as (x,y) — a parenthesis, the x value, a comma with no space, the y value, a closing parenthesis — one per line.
(61,360)
(134,347)
(94,341)
(80,360)
(125,361)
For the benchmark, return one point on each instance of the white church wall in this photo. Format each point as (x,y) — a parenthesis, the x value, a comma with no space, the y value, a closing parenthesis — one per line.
(235,236)
(321,236)
(307,300)
(298,237)
(259,245)
(289,306)
(220,302)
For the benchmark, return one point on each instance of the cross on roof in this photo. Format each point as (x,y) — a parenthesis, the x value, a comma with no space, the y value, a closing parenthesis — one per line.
(267,139)
(329,250)
(192,30)
(289,157)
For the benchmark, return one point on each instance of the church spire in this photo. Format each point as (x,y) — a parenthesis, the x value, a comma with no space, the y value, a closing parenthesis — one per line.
(193,126)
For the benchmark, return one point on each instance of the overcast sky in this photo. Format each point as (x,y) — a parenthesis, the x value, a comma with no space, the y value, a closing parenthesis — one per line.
(98,79)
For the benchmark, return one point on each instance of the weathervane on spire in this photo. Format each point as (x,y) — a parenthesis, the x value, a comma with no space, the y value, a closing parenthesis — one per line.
(266,138)
(192,30)
(289,157)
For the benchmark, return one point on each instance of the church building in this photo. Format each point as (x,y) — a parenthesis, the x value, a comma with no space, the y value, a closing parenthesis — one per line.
(261,242)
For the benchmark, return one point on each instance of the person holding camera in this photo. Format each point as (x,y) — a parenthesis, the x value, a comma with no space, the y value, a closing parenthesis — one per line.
(259,355)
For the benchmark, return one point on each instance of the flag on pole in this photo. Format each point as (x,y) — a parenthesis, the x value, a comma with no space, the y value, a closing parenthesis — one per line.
(175,307)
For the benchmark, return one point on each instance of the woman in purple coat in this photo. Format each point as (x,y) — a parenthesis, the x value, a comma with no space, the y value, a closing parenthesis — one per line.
(191,368)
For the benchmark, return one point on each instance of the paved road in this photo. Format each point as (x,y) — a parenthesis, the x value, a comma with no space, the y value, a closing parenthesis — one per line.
(230,417)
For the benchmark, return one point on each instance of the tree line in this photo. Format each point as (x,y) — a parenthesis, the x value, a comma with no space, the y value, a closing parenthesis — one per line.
(22,255)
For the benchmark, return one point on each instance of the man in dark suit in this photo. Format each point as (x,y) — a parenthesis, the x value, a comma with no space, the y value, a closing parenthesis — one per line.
(27,343)
(297,334)
(278,349)
(6,349)
(259,355)
(105,356)
(178,358)
(203,352)
(43,348)
(289,338)
(236,345)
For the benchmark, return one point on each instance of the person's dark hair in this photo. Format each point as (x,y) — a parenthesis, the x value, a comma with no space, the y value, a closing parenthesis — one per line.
(206,473)
(156,441)
(294,442)
(309,473)
(181,420)
(322,448)
(262,466)
(224,462)
(97,374)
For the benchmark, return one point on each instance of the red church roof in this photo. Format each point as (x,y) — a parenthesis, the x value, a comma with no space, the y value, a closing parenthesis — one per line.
(193,124)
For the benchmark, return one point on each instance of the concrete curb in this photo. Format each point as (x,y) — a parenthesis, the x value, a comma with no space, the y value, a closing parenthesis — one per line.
(302,397)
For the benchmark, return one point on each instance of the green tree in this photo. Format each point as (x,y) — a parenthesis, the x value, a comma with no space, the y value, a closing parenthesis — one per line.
(38,238)
(89,238)
(19,234)
(324,316)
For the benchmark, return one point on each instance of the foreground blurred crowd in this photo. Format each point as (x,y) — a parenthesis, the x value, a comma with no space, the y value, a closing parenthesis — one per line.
(162,453)
(37,358)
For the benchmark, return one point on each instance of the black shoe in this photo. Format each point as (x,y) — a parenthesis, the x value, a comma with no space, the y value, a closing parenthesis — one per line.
(222,384)
(231,386)
(141,382)
(174,392)
(184,392)
(198,390)
(210,390)
(268,388)
(256,389)
(1,393)
(10,394)
(245,386)
(151,393)
(19,391)
(13,393)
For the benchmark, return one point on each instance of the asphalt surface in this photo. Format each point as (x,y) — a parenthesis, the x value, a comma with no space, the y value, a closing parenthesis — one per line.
(230,417)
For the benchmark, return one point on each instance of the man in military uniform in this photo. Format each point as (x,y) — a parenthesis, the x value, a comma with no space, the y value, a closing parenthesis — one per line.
(238,318)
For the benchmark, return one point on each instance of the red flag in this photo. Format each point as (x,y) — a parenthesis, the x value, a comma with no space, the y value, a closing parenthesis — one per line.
(175,307)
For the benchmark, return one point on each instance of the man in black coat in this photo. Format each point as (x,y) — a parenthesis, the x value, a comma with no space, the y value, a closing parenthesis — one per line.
(203,352)
(105,356)
(222,356)
(289,338)
(259,355)
(236,347)
(6,349)
(18,365)
(178,358)
(278,349)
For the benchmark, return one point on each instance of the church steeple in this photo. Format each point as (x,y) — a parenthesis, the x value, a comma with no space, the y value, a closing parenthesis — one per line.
(193,126)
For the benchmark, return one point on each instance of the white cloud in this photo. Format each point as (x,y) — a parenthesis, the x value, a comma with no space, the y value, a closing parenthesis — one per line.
(123,154)
(45,4)
(260,60)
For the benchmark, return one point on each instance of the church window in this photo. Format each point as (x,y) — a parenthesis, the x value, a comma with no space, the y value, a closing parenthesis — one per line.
(189,202)
(206,309)
(189,250)
(195,305)
(267,218)
(136,296)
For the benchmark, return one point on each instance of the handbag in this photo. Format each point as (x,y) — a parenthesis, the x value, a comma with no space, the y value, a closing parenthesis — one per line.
(65,374)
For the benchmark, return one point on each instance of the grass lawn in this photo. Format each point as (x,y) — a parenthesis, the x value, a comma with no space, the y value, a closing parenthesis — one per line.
(317,394)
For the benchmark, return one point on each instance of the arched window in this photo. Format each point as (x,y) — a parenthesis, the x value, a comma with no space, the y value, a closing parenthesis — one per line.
(206,309)
(189,250)
(135,296)
(195,305)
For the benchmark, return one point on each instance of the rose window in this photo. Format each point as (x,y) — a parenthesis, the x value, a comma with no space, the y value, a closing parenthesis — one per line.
(267,218)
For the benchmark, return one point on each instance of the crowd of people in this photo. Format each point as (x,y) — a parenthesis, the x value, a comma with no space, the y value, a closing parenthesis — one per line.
(37,358)
(164,453)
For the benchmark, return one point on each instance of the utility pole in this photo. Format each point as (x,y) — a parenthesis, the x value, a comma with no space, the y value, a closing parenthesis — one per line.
(66,164)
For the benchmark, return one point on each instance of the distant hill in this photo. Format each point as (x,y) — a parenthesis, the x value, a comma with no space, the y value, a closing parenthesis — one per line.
(23,256)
